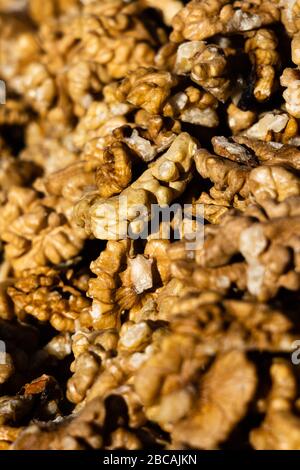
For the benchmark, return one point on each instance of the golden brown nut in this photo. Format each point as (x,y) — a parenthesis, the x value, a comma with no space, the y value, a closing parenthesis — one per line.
(13,113)
(280,429)
(207,66)
(75,433)
(36,77)
(101,118)
(200,20)
(261,46)
(276,126)
(151,90)
(14,172)
(148,89)
(105,312)
(48,153)
(238,119)
(290,15)
(267,247)
(49,296)
(124,278)
(239,175)
(225,392)
(90,350)
(89,429)
(165,180)
(16,34)
(168,386)
(8,435)
(59,346)
(291,80)
(35,234)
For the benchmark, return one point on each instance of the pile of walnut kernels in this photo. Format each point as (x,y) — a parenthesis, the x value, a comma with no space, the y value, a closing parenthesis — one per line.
(130,344)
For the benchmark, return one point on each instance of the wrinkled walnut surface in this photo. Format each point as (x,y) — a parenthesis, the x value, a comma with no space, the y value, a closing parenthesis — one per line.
(170,341)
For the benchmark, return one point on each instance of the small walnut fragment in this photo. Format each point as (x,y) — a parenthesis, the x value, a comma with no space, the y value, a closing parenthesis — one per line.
(105,311)
(87,430)
(291,80)
(276,126)
(152,90)
(170,382)
(14,173)
(50,296)
(207,66)
(89,349)
(225,391)
(123,284)
(148,89)
(261,46)
(248,170)
(200,20)
(290,15)
(165,180)
(36,234)
(268,248)
(8,435)
(238,120)
(13,113)
(280,429)
(79,433)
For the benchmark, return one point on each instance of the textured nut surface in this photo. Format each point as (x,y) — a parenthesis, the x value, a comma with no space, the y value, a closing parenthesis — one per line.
(149,224)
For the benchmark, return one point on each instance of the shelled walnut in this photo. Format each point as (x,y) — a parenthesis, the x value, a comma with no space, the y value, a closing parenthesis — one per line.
(50,296)
(149,224)
(152,90)
(247,170)
(280,428)
(201,20)
(35,233)
(165,180)
(261,45)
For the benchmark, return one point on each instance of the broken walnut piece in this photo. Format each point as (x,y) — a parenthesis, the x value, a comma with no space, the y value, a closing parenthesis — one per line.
(261,46)
(184,400)
(200,20)
(162,182)
(49,295)
(207,66)
(280,429)
(291,80)
(290,15)
(239,120)
(152,90)
(224,394)
(34,233)
(274,126)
